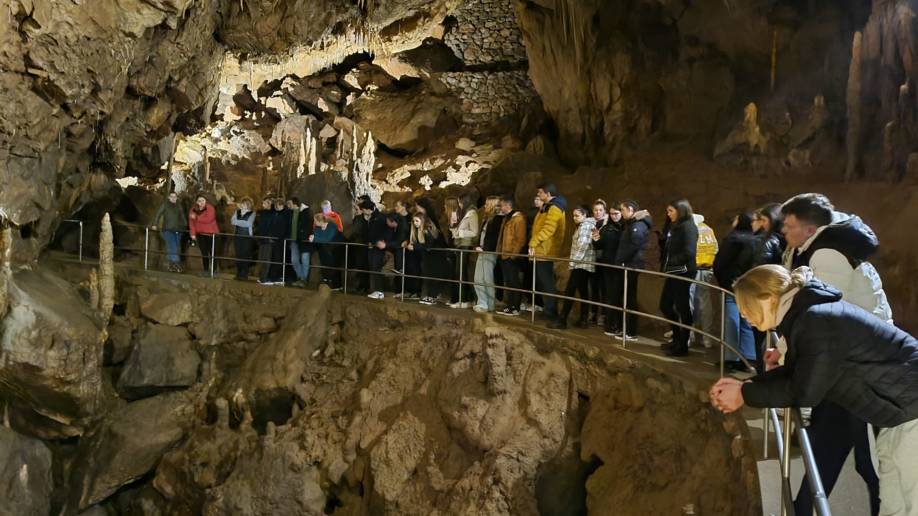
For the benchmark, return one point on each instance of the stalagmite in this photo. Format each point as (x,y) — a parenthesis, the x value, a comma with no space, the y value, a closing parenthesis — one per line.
(853,100)
(311,159)
(106,269)
(94,289)
(363,169)
(5,252)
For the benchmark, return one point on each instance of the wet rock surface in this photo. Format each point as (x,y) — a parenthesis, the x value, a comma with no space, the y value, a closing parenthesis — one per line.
(163,358)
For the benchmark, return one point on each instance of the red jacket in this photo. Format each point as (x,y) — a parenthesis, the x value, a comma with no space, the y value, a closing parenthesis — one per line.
(204,222)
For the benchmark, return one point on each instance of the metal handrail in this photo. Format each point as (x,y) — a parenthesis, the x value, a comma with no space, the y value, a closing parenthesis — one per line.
(782,432)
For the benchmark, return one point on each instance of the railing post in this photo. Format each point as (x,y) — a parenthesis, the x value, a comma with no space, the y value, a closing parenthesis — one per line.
(213,253)
(533,307)
(624,305)
(146,246)
(80,250)
(461,267)
(284,264)
(344,285)
(765,425)
(404,267)
(723,330)
(785,465)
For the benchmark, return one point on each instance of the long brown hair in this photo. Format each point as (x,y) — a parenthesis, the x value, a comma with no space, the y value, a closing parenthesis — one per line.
(417,234)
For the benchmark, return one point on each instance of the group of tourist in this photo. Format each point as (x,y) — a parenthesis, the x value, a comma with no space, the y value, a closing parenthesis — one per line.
(800,268)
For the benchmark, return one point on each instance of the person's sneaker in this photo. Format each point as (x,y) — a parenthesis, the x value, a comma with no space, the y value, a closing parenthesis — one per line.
(465,305)
(376,295)
(480,309)
(399,296)
(524,307)
(512,312)
(627,338)
(668,335)
(336,289)
(413,297)
(428,301)
(612,333)
(263,282)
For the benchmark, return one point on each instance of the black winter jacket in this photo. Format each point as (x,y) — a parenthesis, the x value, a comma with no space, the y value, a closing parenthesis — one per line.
(303,227)
(769,249)
(734,258)
(839,352)
(610,234)
(272,224)
(492,233)
(633,239)
(681,247)
(377,229)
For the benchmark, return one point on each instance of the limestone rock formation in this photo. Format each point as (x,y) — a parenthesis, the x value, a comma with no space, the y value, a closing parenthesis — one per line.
(51,353)
(163,359)
(126,445)
(406,124)
(25,475)
(172,309)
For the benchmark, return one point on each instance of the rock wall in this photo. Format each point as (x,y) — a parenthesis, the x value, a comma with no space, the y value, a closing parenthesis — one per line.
(490,96)
(309,402)
(485,32)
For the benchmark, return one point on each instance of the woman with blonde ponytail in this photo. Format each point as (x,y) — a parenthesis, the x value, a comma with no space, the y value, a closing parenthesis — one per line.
(839,352)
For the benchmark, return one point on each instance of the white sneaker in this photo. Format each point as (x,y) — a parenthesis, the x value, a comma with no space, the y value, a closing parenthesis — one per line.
(480,309)
(454,305)
(524,307)
(428,301)
(465,305)
(668,335)
(376,295)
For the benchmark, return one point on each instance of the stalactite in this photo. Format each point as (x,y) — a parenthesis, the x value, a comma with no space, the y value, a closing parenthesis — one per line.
(302,161)
(853,101)
(363,169)
(311,158)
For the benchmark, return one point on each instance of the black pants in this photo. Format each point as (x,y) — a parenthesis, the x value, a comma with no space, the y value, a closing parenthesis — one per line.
(545,283)
(612,285)
(597,291)
(510,269)
(413,267)
(328,260)
(357,260)
(265,254)
(834,432)
(674,303)
(463,261)
(631,319)
(245,249)
(376,259)
(579,283)
(206,245)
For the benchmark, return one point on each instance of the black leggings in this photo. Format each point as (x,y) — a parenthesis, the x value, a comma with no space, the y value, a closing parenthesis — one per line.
(674,303)
(578,282)
(206,245)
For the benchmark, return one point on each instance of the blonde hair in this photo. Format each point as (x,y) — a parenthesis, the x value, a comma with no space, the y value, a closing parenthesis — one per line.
(487,211)
(766,282)
(417,233)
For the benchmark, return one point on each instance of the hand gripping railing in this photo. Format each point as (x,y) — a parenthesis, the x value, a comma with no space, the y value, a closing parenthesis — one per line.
(782,432)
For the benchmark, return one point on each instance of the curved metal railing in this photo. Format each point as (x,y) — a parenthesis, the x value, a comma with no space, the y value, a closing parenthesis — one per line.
(792,415)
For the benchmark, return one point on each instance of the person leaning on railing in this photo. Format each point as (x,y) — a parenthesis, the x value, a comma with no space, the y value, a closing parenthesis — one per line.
(835,351)
(546,241)
(170,217)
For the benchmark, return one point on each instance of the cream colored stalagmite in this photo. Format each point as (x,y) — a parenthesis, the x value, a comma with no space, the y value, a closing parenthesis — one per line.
(94,289)
(6,242)
(106,269)
(853,101)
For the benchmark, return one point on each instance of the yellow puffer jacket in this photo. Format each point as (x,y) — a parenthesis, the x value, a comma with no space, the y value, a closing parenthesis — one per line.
(707,247)
(548,229)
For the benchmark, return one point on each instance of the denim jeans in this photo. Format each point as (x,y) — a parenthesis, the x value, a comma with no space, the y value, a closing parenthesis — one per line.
(484,280)
(173,239)
(738,332)
(299,261)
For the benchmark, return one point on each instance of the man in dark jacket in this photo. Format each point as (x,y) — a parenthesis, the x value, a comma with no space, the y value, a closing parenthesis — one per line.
(836,247)
(171,218)
(264,227)
(630,253)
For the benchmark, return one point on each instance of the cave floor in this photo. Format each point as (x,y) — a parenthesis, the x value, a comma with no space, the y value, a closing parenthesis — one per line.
(849,497)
